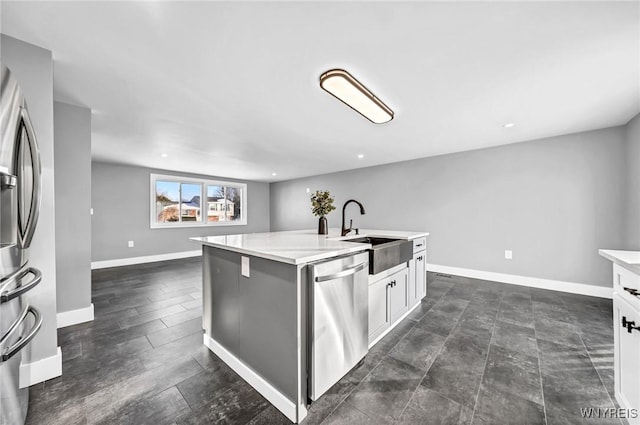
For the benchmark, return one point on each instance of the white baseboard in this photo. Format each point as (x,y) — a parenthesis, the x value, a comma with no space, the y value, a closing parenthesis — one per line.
(275,397)
(41,370)
(145,259)
(73,317)
(533,282)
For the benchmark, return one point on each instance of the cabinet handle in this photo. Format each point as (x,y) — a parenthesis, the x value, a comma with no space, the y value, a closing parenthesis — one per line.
(632,291)
(630,325)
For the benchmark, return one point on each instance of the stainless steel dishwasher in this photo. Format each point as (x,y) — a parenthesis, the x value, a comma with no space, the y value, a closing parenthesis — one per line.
(339,309)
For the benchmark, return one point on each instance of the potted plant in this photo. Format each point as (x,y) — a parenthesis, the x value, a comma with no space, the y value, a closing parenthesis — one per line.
(321,205)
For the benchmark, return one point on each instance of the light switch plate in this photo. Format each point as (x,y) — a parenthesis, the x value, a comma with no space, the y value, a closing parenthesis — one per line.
(245,267)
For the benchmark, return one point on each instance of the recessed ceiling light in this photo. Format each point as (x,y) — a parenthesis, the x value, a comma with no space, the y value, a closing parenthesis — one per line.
(509,125)
(164,155)
(274,174)
(350,91)
(360,156)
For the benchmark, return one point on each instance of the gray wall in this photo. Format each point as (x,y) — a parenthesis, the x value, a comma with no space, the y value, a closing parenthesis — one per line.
(120,201)
(554,202)
(33,68)
(632,197)
(72,135)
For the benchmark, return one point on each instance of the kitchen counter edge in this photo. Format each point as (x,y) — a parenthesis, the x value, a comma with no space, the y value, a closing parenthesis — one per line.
(630,260)
(310,246)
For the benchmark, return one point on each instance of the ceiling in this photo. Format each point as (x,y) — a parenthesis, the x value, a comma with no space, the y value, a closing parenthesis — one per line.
(231,88)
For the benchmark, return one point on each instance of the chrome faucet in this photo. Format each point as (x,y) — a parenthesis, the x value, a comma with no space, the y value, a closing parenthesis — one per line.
(345,230)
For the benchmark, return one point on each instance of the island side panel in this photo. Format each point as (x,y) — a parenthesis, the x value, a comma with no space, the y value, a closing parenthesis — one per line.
(303,342)
(260,319)
(221,303)
(269,323)
(206,291)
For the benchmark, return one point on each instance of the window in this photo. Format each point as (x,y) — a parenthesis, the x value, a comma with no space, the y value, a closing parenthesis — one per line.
(182,201)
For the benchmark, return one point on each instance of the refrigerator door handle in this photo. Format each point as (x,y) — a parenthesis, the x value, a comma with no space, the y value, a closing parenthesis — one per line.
(25,233)
(19,290)
(23,341)
(7,181)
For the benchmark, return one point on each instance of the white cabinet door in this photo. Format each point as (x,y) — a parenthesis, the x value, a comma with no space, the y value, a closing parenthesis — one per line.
(421,275)
(413,282)
(627,356)
(378,312)
(417,278)
(398,294)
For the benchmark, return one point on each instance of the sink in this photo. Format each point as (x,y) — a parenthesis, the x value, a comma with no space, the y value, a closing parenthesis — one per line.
(385,252)
(372,241)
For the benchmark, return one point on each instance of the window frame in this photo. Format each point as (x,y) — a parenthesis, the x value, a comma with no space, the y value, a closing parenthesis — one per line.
(203,196)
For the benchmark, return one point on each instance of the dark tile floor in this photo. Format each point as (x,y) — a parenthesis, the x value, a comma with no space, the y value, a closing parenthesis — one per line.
(473,352)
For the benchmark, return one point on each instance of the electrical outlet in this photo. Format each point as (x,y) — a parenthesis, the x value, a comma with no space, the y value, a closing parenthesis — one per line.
(245,267)
(91,211)
(508,254)
(308,190)
(130,244)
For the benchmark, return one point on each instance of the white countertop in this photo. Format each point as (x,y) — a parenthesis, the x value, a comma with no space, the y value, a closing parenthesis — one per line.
(299,246)
(334,234)
(627,259)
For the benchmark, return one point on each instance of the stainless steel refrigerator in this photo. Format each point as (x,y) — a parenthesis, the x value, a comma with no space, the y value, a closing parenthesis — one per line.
(20,182)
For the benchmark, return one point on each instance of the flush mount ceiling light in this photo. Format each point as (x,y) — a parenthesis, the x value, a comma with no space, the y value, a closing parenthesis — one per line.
(509,125)
(350,91)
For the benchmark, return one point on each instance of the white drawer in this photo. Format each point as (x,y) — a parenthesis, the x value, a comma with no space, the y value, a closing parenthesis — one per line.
(419,244)
(626,284)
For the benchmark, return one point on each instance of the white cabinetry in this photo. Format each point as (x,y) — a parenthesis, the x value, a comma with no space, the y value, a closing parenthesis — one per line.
(418,272)
(394,292)
(627,356)
(627,284)
(378,311)
(421,275)
(388,301)
(398,295)
(626,325)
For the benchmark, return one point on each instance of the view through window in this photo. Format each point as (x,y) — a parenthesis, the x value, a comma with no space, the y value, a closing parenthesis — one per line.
(180,201)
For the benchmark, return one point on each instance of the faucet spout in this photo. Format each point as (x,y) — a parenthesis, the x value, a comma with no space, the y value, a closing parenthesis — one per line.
(346,230)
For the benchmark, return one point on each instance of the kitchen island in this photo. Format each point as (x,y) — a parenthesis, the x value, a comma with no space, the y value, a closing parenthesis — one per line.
(258,299)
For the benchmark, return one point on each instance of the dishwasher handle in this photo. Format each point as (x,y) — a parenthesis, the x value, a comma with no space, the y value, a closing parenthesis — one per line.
(346,272)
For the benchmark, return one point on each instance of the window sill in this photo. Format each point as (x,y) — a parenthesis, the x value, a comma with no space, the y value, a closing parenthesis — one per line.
(184,225)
